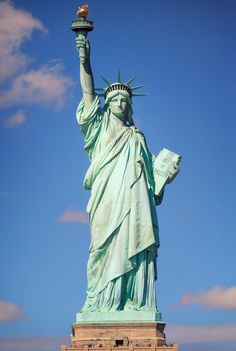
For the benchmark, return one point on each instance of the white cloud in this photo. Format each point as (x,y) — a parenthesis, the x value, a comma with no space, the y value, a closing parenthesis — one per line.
(217,297)
(16,26)
(38,86)
(72,216)
(201,333)
(15,120)
(10,311)
(23,85)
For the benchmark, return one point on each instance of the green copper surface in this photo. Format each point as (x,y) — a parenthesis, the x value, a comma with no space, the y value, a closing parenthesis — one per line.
(122,215)
(125,188)
(121,316)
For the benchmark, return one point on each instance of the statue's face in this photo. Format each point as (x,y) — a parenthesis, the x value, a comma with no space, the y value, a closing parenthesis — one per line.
(119,106)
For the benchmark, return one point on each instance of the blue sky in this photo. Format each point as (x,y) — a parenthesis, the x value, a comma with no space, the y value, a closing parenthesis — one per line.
(185,52)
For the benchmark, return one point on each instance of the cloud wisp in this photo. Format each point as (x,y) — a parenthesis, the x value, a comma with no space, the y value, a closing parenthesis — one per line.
(12,59)
(217,297)
(45,85)
(201,333)
(73,216)
(21,84)
(10,311)
(15,120)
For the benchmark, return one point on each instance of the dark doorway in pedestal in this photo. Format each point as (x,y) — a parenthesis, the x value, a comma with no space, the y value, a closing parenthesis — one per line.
(119,342)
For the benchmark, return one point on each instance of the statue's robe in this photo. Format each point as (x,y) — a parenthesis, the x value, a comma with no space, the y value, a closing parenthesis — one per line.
(122,214)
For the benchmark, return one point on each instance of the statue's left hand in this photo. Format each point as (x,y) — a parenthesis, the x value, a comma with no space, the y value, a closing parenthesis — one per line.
(173,171)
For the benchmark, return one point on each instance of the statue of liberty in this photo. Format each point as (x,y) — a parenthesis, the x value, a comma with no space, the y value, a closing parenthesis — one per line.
(122,214)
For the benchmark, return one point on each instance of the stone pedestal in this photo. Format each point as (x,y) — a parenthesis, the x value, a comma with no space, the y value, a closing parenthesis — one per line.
(146,336)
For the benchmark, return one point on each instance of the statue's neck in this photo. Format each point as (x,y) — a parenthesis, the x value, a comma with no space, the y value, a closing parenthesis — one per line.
(119,121)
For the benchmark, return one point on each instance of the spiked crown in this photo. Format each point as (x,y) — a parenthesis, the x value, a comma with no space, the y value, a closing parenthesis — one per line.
(119,85)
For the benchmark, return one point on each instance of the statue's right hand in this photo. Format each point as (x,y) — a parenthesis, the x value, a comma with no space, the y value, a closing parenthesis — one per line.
(83,47)
(80,41)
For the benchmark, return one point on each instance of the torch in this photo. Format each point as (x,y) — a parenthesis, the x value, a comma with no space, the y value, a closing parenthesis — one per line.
(82,26)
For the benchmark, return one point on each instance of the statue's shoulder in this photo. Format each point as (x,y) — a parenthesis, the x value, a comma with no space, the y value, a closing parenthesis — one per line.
(138,131)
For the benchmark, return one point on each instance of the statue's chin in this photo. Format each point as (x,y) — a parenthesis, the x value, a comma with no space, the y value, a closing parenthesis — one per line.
(118,114)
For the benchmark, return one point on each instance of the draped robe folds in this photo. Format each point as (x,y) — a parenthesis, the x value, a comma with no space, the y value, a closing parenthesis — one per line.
(122,214)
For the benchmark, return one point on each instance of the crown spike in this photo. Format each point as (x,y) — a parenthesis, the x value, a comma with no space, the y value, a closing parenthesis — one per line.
(137,87)
(118,76)
(119,85)
(105,80)
(130,81)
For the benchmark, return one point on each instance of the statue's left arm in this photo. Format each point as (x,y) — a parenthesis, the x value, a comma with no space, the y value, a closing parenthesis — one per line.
(165,169)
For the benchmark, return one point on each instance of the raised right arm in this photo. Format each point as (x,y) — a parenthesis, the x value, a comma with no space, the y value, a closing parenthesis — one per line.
(86,75)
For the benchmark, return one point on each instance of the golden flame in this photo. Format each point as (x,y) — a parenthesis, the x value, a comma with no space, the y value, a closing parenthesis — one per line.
(83,11)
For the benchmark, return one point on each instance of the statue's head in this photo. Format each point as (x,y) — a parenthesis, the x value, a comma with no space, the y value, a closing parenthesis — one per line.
(119,103)
(118,98)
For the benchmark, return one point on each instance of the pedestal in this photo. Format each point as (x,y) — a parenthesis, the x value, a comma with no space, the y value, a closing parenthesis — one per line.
(128,336)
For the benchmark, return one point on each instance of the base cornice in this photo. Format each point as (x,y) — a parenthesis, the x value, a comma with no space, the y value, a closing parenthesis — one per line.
(119,336)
